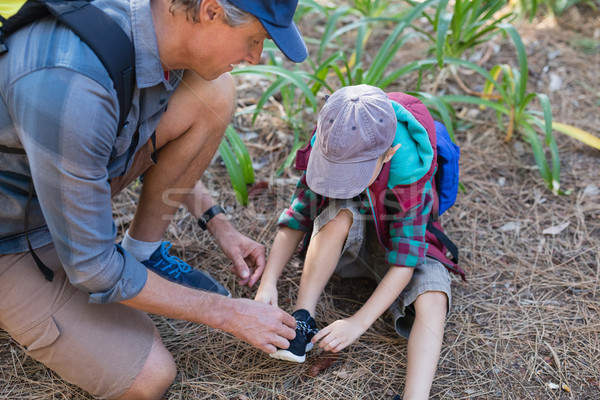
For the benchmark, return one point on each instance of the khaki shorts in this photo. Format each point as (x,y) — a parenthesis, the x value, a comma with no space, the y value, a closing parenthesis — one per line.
(98,347)
(363,256)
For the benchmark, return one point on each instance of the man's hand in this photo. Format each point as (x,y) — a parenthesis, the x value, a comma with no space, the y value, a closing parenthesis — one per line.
(339,334)
(248,256)
(260,325)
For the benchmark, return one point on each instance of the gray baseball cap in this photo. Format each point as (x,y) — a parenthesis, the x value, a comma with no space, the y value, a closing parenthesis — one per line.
(355,127)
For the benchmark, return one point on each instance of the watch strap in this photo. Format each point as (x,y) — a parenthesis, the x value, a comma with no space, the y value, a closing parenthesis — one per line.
(210,214)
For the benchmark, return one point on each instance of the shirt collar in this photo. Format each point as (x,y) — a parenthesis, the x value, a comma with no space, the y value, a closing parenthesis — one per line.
(149,70)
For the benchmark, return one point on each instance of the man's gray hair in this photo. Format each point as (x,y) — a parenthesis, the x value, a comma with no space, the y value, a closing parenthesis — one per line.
(233,15)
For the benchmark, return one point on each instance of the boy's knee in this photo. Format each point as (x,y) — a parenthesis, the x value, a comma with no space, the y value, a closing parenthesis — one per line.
(341,223)
(432,302)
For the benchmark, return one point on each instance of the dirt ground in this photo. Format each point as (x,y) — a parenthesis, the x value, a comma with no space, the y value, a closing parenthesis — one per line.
(526,323)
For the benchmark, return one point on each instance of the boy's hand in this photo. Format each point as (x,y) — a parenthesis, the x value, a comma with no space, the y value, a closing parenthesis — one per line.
(339,334)
(267,294)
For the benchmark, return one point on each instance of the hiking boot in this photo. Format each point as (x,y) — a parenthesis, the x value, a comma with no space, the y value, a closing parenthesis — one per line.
(176,270)
(306,328)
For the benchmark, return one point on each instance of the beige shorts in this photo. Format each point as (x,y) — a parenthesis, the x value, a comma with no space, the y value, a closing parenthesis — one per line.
(98,347)
(363,256)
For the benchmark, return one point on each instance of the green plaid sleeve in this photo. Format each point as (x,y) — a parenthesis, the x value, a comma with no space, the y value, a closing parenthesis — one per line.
(303,208)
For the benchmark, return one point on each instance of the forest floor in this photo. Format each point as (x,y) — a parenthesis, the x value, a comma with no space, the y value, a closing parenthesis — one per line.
(525,324)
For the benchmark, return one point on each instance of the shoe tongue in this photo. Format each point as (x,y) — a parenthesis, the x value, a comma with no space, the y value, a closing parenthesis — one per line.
(301,315)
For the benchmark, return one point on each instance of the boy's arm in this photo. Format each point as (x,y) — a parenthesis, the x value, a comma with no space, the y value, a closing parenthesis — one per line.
(343,332)
(285,243)
(294,223)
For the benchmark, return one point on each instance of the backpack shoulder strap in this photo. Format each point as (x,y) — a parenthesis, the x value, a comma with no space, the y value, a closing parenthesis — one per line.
(107,39)
(101,33)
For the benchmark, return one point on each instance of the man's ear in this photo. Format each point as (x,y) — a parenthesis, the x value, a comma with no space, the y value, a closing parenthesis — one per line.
(209,10)
(391,152)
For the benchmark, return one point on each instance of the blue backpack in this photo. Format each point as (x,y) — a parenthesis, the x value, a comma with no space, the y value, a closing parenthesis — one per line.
(446,177)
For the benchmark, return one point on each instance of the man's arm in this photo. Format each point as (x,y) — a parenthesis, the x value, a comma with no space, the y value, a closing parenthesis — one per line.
(257,324)
(248,256)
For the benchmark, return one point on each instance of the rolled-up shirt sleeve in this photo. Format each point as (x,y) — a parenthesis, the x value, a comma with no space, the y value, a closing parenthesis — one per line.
(67,125)
(304,207)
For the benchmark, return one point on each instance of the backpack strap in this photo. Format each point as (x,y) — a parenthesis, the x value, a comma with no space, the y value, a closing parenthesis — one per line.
(107,39)
(444,239)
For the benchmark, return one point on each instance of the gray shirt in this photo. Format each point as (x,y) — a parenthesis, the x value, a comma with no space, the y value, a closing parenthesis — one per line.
(59,104)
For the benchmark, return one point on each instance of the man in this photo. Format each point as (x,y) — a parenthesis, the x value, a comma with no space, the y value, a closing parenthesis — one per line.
(57,102)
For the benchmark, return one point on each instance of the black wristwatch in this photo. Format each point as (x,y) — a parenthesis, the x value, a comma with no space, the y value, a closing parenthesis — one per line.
(209,214)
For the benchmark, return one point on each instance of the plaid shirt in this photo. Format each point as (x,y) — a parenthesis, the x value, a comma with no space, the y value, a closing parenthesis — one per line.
(406,247)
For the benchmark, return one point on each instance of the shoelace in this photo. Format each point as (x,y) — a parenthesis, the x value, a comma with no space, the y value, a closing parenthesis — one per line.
(305,329)
(169,261)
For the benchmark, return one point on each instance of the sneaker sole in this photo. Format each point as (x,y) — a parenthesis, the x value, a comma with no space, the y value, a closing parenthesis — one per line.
(286,355)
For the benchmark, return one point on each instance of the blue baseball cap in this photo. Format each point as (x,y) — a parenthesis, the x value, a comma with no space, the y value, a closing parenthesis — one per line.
(277,17)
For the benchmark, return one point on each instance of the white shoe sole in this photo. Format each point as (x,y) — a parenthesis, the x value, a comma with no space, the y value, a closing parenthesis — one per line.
(286,355)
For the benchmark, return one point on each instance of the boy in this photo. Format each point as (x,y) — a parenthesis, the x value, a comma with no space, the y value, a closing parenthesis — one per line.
(366,146)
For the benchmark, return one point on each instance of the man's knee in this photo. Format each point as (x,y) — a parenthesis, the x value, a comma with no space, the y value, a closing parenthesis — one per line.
(202,108)
(216,97)
(156,376)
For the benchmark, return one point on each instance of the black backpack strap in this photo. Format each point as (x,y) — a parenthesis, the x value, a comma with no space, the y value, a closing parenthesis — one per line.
(48,273)
(107,39)
(441,236)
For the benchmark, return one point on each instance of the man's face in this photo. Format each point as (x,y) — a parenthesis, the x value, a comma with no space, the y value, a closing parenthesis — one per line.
(225,47)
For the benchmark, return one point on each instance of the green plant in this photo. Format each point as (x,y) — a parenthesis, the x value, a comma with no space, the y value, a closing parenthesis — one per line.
(238,163)
(460,28)
(511,103)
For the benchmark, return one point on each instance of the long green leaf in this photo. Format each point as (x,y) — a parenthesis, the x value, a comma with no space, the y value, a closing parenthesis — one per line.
(442,109)
(550,141)
(443,18)
(241,153)
(295,77)
(475,100)
(540,158)
(522,56)
(270,91)
(375,73)
(235,173)
(330,26)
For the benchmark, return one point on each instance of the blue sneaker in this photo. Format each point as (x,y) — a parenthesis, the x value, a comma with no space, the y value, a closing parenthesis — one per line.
(306,328)
(176,270)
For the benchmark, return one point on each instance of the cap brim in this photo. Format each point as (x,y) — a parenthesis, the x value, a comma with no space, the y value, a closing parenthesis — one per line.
(288,39)
(338,180)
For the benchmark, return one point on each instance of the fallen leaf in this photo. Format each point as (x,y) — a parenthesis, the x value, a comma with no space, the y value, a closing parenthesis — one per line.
(556,229)
(591,190)
(342,374)
(258,188)
(553,385)
(510,226)
(322,363)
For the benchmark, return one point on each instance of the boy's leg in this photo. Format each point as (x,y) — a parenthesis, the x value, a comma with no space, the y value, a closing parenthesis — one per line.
(425,344)
(321,260)
(322,257)
(187,138)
